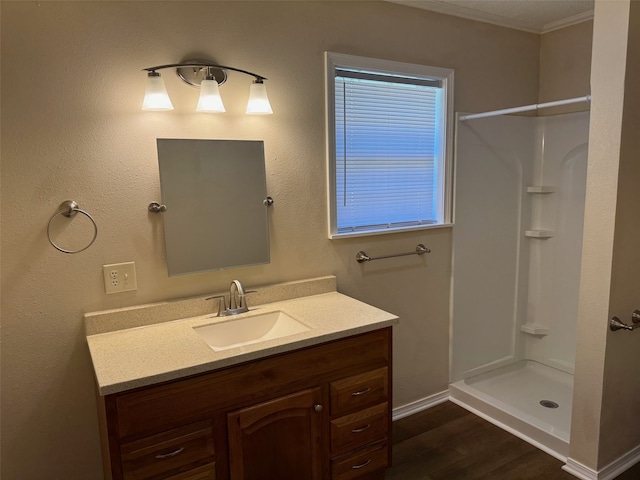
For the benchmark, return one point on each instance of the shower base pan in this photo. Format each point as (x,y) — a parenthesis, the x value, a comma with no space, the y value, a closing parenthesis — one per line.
(512,398)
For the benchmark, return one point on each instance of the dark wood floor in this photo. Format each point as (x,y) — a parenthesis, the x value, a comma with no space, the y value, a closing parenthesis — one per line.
(447,442)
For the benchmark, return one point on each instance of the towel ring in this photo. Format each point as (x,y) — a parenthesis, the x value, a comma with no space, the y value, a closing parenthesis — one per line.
(69,208)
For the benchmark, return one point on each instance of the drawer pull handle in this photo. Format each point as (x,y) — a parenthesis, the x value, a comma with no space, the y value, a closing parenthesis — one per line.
(361,392)
(362,465)
(361,429)
(169,455)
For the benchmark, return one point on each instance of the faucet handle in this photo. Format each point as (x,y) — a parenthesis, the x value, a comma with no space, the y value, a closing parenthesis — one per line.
(222,304)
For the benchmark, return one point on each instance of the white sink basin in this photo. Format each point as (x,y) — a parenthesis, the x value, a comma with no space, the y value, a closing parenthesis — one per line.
(249,329)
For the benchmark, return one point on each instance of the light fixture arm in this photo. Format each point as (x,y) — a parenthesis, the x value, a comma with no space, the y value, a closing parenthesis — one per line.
(259,78)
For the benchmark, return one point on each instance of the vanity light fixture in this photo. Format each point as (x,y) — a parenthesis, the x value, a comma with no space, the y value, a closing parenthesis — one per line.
(207,77)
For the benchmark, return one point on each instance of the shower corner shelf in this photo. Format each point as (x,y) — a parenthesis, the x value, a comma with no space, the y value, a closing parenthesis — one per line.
(539,233)
(541,189)
(534,329)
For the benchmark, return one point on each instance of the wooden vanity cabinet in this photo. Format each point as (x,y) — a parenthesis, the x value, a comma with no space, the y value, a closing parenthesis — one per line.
(318,413)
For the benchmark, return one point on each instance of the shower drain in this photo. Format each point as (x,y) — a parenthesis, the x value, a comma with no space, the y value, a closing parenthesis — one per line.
(549,404)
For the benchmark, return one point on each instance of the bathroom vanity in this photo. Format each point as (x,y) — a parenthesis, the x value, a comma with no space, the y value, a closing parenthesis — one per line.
(310,405)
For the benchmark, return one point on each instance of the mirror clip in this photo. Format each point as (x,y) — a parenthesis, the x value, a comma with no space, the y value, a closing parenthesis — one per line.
(155,207)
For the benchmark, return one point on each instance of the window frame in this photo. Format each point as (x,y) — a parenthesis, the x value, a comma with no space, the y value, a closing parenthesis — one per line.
(335,61)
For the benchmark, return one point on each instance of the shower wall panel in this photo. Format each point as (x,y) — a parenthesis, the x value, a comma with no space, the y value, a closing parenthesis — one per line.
(494,158)
(554,268)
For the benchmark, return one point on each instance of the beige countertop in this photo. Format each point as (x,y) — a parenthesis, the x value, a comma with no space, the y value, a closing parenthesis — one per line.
(146,355)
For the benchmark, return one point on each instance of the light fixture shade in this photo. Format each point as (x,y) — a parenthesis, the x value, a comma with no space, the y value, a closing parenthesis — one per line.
(155,95)
(210,100)
(258,101)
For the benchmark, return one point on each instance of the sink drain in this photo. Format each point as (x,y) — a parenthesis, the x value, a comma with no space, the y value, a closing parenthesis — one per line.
(549,404)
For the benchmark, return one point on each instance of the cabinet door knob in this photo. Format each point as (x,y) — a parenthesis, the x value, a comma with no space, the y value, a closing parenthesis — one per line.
(317,408)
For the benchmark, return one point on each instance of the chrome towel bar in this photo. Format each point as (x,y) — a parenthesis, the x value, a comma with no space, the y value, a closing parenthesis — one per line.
(616,324)
(361,256)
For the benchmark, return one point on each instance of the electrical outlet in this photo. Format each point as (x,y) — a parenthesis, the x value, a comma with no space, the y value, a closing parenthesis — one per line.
(119,277)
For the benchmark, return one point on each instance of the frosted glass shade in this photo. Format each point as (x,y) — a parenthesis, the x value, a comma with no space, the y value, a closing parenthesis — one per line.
(155,95)
(258,101)
(210,100)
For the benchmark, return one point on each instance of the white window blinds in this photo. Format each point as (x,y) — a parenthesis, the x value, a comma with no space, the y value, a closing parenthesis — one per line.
(389,135)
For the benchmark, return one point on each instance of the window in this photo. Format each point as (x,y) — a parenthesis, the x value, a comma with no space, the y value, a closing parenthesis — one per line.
(388,145)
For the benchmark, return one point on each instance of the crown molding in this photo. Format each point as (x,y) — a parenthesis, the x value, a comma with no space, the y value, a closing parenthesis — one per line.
(567,22)
(480,16)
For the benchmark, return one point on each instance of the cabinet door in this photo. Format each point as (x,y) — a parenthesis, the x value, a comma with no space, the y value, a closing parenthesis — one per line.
(278,439)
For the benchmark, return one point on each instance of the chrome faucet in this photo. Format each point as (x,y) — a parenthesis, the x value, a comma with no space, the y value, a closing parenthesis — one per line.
(237,295)
(237,300)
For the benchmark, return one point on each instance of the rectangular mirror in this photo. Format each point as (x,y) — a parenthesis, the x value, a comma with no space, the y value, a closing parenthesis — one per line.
(214,191)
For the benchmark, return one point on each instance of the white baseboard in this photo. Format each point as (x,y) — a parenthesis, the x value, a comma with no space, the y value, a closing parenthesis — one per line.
(419,405)
(622,464)
(578,470)
(611,471)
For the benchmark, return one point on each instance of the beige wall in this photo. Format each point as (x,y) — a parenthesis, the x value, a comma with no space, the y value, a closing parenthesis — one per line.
(606,393)
(621,396)
(565,65)
(72,129)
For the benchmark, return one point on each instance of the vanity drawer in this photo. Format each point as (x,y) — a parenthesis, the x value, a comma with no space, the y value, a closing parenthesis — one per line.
(169,451)
(358,429)
(360,463)
(206,472)
(359,391)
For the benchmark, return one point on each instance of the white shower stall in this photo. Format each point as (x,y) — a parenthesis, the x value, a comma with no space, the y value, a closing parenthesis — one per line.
(519,208)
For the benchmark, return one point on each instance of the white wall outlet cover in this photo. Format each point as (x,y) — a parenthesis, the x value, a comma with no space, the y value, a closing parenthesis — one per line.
(119,277)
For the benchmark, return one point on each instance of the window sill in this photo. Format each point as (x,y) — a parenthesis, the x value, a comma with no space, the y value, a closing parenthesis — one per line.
(385,231)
